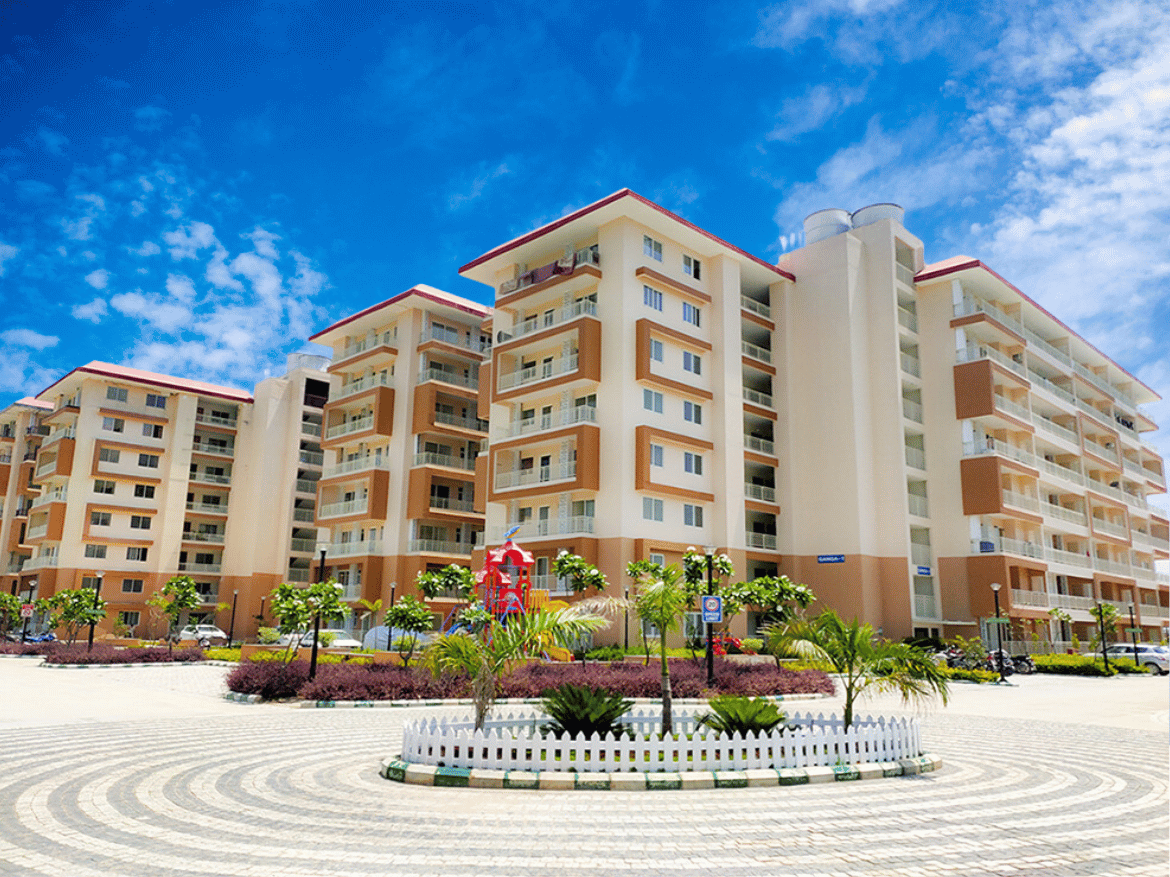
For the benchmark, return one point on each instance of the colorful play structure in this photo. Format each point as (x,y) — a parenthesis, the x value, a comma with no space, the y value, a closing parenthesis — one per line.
(505,589)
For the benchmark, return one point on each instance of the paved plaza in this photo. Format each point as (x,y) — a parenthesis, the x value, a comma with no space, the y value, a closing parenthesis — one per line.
(147,771)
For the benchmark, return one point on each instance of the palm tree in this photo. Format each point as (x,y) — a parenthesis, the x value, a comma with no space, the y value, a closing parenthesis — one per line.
(661,600)
(862,660)
(487,656)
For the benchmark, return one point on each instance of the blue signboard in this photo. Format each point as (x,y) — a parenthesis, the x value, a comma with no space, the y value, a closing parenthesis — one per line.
(830,558)
(923,570)
(712,610)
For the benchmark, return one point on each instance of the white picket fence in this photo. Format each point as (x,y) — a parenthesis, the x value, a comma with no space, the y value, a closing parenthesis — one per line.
(514,742)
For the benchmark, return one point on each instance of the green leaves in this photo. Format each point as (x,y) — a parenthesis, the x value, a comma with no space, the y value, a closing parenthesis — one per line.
(742,715)
(410,615)
(583,710)
(453,581)
(580,574)
(75,609)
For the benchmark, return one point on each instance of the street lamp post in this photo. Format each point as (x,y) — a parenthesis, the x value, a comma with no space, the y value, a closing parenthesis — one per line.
(1133,633)
(995,586)
(1100,613)
(316,623)
(32,587)
(710,626)
(626,645)
(232,626)
(97,592)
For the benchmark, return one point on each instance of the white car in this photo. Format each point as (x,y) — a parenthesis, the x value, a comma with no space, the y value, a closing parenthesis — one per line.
(342,639)
(1153,659)
(204,634)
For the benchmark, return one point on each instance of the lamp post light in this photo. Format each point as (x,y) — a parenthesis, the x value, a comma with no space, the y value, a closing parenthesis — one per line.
(1100,613)
(97,592)
(995,586)
(32,587)
(232,626)
(626,644)
(710,551)
(1133,633)
(393,588)
(316,623)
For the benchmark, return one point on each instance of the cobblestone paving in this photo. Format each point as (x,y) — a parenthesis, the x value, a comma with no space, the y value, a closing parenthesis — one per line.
(272,790)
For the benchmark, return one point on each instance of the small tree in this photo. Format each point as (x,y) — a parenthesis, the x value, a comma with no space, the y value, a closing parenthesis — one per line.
(9,612)
(411,616)
(295,607)
(177,598)
(76,609)
(580,574)
(636,569)
(370,610)
(453,580)
(1106,617)
(662,601)
(1058,614)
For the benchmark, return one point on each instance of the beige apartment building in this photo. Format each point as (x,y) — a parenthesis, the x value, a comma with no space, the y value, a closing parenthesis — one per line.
(898,436)
(397,496)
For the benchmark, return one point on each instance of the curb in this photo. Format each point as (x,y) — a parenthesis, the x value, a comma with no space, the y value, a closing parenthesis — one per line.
(529,701)
(241,698)
(138,664)
(399,771)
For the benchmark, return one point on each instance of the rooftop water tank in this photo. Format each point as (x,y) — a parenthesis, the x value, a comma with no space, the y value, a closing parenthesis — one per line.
(874,212)
(825,223)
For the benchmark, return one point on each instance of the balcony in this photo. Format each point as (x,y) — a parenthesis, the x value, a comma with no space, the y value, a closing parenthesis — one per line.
(918,505)
(209,538)
(761,492)
(1005,545)
(209,597)
(579,524)
(970,306)
(904,273)
(1021,500)
(36,532)
(1103,451)
(298,576)
(1072,516)
(212,449)
(976,352)
(766,541)
(55,495)
(448,377)
(58,434)
(474,424)
(550,321)
(562,267)
(566,417)
(1039,381)
(924,606)
(361,385)
(354,549)
(186,566)
(206,508)
(350,467)
(753,351)
(429,459)
(213,419)
(760,445)
(358,424)
(1113,566)
(303,545)
(210,478)
(536,475)
(41,561)
(1062,472)
(539,372)
(306,485)
(910,364)
(305,516)
(1070,558)
(1117,494)
(912,410)
(920,553)
(436,546)
(1007,406)
(756,307)
(1100,525)
(993,446)
(384,339)
(915,458)
(344,509)
(755,397)
(907,319)
(1045,600)
(1052,428)
(446,503)
(310,428)
(311,458)
(455,339)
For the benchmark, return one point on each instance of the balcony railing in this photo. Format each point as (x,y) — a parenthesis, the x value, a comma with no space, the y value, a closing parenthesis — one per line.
(311,458)
(904,273)
(1053,428)
(920,553)
(383,339)
(1106,453)
(429,459)
(473,423)
(756,352)
(762,445)
(1073,516)
(915,458)
(186,566)
(1113,566)
(353,549)
(449,377)
(210,478)
(454,505)
(55,495)
(212,449)
(924,606)
(210,538)
(554,527)
(1096,413)
(538,372)
(306,485)
(566,417)
(1118,494)
(308,427)
(583,256)
(760,540)
(368,382)
(1059,471)
(208,508)
(437,546)
(989,445)
(356,425)
(349,507)
(910,364)
(362,464)
(756,307)
(556,318)
(1004,544)
(45,468)
(908,319)
(552,584)
(536,475)
(297,576)
(309,545)
(1071,558)
(305,516)
(216,420)
(1020,412)
(918,505)
(762,492)
(58,434)
(208,597)
(41,561)
(912,410)
(976,352)
(455,339)
(1021,500)
(1100,525)
(36,532)
(969,306)
(757,398)
(1038,380)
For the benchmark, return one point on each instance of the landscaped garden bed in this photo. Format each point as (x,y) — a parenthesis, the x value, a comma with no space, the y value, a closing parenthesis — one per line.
(102,653)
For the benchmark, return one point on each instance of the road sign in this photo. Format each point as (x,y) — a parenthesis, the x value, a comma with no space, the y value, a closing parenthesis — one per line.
(712,610)
(830,558)
(923,571)
(26,610)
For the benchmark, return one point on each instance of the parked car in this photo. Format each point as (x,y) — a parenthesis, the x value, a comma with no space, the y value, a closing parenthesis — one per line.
(383,638)
(1154,659)
(204,634)
(342,639)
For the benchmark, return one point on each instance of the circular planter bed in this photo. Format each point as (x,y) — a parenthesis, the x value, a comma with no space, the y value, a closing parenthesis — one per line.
(451,752)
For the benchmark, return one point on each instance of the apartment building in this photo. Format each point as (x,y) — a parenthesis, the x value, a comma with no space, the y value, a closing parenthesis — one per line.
(182,477)
(396,495)
(905,434)
(21,434)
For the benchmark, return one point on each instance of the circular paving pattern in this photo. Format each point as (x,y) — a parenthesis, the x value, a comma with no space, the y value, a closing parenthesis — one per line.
(272,790)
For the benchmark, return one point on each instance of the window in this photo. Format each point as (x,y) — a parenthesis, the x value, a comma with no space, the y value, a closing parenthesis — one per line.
(651,248)
(131,586)
(207,559)
(692,515)
(130,619)
(99,519)
(113,424)
(152,430)
(118,394)
(651,509)
(90,583)
(693,463)
(656,455)
(136,552)
(140,522)
(154,400)
(582,508)
(690,313)
(691,267)
(101,486)
(691,362)
(109,455)
(149,461)
(95,551)
(659,559)
(656,350)
(692,412)
(144,491)
(652,298)
(652,401)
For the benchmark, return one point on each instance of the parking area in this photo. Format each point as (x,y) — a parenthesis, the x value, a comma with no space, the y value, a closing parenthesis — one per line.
(147,771)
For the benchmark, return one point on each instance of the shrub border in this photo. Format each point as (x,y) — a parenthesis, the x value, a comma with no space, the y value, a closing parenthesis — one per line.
(466,701)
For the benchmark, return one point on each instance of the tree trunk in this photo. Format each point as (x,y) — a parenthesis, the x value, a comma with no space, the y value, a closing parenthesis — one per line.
(667,720)
(483,692)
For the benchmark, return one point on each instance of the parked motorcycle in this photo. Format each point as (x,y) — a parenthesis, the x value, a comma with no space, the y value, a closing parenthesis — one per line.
(1024,665)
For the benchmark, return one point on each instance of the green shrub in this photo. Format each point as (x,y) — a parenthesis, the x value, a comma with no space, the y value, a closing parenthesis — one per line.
(970,675)
(1073,665)
(584,710)
(222,654)
(752,646)
(605,653)
(267,636)
(742,715)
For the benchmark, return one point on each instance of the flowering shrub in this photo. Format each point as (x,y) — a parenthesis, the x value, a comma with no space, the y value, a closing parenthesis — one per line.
(106,654)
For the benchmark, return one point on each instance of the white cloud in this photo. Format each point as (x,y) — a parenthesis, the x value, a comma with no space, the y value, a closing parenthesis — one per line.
(264,242)
(185,243)
(819,104)
(474,189)
(53,142)
(148,248)
(163,315)
(28,338)
(7,252)
(218,274)
(150,118)
(180,286)
(92,311)
(98,279)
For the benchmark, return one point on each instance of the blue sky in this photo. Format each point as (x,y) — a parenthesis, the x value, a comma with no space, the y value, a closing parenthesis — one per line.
(196,188)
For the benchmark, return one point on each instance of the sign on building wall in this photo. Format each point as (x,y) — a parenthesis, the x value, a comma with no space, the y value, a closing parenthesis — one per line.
(830,558)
